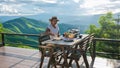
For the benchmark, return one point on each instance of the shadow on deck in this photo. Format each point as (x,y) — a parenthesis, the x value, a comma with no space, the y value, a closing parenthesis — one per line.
(12,57)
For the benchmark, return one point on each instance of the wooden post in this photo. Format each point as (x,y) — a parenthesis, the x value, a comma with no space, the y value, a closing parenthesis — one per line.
(3,43)
(94,49)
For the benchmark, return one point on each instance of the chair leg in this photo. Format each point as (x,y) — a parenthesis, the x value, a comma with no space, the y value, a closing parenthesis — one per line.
(51,59)
(62,66)
(77,64)
(60,59)
(49,63)
(41,63)
(85,60)
(55,65)
(70,62)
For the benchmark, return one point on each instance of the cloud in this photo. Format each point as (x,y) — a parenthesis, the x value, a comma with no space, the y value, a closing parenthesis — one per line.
(18,8)
(93,3)
(58,7)
(93,7)
(76,1)
(49,1)
(7,8)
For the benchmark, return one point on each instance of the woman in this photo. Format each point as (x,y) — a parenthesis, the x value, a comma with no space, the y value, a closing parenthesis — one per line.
(53,28)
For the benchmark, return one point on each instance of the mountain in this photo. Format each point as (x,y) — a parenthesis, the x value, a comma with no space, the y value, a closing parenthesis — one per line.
(6,18)
(28,26)
(65,27)
(32,26)
(25,25)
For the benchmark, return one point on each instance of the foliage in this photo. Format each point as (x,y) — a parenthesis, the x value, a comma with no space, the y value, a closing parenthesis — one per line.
(25,25)
(107,29)
(21,39)
(1,27)
(1,30)
(21,46)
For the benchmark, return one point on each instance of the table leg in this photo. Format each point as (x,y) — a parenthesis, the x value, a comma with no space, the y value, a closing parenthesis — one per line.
(51,59)
(65,58)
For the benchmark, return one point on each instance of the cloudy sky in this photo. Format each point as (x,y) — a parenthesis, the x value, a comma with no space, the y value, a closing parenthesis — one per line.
(60,7)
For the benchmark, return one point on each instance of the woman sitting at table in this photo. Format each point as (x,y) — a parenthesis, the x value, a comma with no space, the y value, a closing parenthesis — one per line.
(53,28)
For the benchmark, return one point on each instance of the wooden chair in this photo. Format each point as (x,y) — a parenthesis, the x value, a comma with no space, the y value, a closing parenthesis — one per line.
(90,45)
(77,51)
(91,49)
(81,50)
(45,49)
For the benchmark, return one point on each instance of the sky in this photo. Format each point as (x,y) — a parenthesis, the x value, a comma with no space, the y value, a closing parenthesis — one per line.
(59,7)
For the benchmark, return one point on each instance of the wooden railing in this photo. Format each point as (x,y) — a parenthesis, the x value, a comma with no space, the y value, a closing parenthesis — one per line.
(108,40)
(104,39)
(3,36)
(37,35)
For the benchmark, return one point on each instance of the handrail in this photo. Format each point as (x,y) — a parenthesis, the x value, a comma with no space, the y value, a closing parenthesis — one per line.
(105,39)
(38,35)
(107,53)
(3,41)
(21,34)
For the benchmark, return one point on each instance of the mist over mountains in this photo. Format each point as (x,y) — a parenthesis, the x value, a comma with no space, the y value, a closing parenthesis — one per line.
(37,25)
(67,19)
(81,22)
(25,25)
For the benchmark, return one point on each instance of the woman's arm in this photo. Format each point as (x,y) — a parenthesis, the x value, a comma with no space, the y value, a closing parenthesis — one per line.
(48,32)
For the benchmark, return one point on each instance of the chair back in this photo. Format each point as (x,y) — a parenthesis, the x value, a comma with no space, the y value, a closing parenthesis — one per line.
(43,37)
(83,44)
(75,52)
(91,37)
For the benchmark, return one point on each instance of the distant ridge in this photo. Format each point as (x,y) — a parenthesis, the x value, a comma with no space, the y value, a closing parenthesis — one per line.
(32,26)
(25,25)
(29,26)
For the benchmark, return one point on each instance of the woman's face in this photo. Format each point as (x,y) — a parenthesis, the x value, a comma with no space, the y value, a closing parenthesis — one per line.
(54,22)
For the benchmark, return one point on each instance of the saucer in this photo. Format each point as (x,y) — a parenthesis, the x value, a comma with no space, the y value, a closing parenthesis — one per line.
(68,39)
(56,38)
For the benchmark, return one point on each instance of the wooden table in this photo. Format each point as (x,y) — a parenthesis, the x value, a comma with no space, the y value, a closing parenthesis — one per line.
(62,44)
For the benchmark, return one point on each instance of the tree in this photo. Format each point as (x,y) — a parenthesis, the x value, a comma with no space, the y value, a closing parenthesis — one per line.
(1,27)
(107,29)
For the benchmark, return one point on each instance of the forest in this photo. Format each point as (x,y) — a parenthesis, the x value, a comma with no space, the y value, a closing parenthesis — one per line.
(109,29)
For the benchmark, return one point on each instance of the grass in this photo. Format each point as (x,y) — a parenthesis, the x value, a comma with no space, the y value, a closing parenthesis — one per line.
(21,46)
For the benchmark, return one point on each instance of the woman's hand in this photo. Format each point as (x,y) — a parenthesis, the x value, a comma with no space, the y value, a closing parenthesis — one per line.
(51,34)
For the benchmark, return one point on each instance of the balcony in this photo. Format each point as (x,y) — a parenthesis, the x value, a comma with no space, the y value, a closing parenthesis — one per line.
(13,57)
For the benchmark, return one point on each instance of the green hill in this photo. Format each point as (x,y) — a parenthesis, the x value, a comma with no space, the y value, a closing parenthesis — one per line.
(25,25)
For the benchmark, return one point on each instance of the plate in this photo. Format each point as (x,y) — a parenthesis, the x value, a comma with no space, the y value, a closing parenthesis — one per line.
(67,39)
(56,38)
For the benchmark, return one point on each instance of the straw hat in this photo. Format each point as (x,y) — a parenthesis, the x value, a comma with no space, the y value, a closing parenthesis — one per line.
(53,18)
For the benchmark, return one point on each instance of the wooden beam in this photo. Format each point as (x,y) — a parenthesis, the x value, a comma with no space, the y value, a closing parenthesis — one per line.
(105,39)
(3,43)
(21,34)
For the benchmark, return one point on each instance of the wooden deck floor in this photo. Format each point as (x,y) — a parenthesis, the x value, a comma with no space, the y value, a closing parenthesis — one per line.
(12,57)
